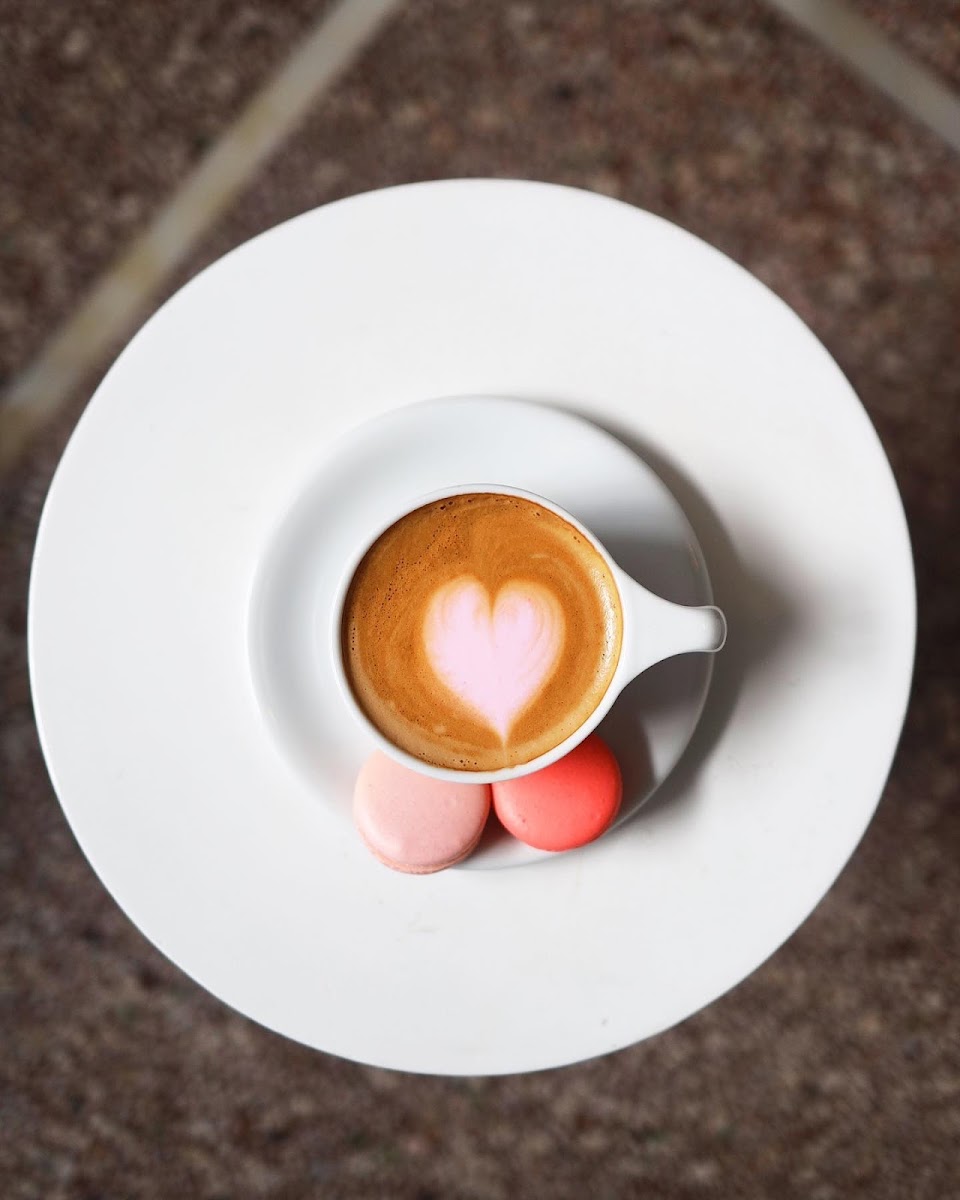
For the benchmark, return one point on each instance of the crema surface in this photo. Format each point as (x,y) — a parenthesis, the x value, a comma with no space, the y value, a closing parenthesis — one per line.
(480,631)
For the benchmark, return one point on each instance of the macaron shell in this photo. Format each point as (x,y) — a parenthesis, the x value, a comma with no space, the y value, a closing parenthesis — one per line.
(566,805)
(413,823)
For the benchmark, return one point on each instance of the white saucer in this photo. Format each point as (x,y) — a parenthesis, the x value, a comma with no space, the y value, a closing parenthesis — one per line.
(167,504)
(405,454)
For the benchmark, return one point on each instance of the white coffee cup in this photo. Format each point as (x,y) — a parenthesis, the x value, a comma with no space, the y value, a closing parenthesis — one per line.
(653,629)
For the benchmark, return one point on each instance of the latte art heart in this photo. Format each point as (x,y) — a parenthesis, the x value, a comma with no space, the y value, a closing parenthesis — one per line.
(480,630)
(494,657)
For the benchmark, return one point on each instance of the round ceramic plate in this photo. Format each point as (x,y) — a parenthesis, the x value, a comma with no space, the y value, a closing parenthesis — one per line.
(174,493)
(390,462)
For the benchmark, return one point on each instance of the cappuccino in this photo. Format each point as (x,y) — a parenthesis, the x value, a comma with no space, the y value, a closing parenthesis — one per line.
(480,631)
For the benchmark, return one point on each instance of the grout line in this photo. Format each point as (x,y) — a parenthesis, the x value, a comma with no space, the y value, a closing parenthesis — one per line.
(117,300)
(879,60)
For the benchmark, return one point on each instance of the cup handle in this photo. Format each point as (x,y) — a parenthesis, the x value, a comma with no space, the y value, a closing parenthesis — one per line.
(655,629)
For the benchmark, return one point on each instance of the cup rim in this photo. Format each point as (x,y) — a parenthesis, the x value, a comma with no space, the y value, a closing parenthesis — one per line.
(450,774)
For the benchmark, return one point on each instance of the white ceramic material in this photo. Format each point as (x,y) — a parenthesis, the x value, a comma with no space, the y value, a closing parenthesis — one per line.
(654,629)
(169,500)
(362,480)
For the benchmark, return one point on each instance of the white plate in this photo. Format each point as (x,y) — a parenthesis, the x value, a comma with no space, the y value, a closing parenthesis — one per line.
(390,462)
(221,411)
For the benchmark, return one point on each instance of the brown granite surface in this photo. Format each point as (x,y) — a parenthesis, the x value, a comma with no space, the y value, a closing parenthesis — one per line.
(834,1071)
(927,29)
(104,106)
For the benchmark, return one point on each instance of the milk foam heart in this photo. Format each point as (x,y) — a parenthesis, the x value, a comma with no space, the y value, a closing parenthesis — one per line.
(494,657)
(480,630)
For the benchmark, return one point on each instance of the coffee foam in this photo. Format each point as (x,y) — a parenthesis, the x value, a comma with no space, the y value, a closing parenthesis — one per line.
(494,654)
(480,631)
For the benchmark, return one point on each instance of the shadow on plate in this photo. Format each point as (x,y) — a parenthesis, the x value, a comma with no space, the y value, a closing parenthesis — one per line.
(762,620)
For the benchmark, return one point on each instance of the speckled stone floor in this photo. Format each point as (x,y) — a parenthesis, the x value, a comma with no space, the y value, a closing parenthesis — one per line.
(104,105)
(834,1071)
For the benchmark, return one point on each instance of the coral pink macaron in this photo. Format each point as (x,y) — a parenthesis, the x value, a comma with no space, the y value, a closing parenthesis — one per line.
(414,823)
(567,804)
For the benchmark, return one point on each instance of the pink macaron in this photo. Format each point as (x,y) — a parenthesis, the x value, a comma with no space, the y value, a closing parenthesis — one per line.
(565,805)
(413,823)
